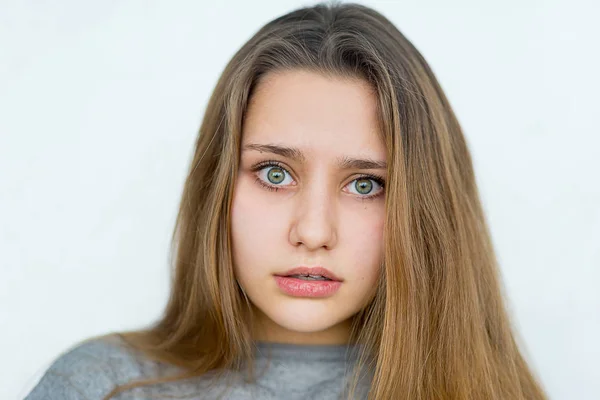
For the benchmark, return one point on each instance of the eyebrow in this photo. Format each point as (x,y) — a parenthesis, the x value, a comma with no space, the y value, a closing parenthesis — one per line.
(297,155)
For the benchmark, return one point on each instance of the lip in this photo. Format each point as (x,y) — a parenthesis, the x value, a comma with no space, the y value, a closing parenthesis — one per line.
(312,271)
(302,288)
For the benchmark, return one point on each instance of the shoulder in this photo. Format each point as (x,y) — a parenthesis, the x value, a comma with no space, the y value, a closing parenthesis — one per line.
(91,369)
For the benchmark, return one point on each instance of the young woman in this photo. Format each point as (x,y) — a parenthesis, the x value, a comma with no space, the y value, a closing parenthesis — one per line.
(330,241)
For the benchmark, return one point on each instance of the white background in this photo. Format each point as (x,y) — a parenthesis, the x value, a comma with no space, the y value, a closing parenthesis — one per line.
(100,102)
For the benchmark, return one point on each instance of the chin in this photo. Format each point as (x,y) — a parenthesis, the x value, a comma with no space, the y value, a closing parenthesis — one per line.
(303,315)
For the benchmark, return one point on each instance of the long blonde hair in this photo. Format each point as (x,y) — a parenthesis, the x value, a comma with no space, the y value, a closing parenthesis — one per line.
(437,327)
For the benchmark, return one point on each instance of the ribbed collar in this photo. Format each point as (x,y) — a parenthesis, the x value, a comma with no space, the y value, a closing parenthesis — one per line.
(307,352)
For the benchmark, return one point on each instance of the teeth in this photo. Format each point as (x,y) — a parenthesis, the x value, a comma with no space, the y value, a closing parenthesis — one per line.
(307,277)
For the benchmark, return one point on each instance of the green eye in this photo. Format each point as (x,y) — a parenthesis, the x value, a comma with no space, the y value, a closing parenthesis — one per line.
(363,186)
(276,175)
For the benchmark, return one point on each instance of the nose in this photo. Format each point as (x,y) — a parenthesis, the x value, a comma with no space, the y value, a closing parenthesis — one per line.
(313,223)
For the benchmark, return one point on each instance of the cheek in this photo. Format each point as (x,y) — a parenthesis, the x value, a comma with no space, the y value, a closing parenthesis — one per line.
(364,239)
(254,224)
(250,213)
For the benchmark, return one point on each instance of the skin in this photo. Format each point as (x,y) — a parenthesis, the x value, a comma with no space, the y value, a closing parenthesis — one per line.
(317,216)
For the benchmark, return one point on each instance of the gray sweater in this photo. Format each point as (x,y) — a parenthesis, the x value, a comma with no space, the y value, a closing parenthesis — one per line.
(93,368)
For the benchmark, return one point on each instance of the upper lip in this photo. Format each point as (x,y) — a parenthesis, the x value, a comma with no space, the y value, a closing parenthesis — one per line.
(312,271)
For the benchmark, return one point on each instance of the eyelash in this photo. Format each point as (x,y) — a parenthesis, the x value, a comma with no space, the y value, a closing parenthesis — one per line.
(272,163)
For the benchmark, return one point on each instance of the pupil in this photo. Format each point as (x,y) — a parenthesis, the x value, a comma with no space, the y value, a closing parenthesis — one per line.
(364,187)
(277,176)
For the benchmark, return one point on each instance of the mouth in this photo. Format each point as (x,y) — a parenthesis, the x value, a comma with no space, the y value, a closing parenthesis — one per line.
(311,274)
(308,277)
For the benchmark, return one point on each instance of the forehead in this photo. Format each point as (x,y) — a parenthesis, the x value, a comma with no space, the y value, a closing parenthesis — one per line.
(315,113)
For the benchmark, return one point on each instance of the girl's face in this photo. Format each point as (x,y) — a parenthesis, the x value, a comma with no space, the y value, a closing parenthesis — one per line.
(309,204)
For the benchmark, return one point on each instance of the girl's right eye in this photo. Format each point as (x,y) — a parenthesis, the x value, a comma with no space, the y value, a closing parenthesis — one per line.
(271,175)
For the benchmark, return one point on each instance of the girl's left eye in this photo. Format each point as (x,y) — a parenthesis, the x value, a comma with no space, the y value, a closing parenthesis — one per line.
(272,174)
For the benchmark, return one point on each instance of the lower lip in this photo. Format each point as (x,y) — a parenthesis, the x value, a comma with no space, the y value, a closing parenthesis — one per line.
(302,288)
